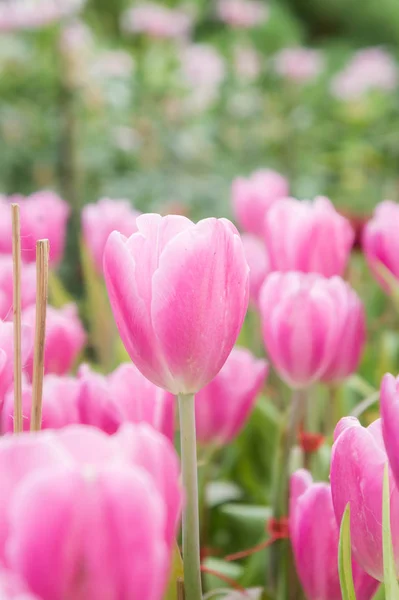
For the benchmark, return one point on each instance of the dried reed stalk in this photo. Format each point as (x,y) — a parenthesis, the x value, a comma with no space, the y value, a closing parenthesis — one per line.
(42,257)
(180,589)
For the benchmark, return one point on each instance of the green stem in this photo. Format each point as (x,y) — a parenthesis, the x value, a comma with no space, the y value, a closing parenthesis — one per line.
(191,542)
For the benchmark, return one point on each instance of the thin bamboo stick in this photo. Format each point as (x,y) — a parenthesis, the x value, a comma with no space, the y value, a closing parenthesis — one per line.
(42,256)
(180,590)
(16,257)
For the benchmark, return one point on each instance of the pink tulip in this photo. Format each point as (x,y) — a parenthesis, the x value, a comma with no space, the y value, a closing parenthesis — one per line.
(179,293)
(352,325)
(357,468)
(253,197)
(100,219)
(12,588)
(43,215)
(298,64)
(65,338)
(223,406)
(7,354)
(301,324)
(28,286)
(112,501)
(307,236)
(389,404)
(380,243)
(157,21)
(314,536)
(258,262)
(123,396)
(242,13)
(59,408)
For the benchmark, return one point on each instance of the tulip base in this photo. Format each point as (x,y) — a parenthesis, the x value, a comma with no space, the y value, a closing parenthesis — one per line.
(191,541)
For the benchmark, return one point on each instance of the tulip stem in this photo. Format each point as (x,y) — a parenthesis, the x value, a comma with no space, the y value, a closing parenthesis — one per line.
(191,542)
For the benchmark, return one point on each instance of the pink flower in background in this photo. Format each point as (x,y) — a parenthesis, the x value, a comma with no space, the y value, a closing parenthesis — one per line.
(31,14)
(253,196)
(301,324)
(314,536)
(247,62)
(179,293)
(307,236)
(157,21)
(123,396)
(7,354)
(112,63)
(351,321)
(76,38)
(100,219)
(202,65)
(73,480)
(43,215)
(60,395)
(242,14)
(357,468)
(224,405)
(389,406)
(258,262)
(381,245)
(65,338)
(28,286)
(299,64)
(369,69)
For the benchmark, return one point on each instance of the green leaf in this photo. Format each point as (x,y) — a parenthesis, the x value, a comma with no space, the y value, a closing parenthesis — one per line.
(390,581)
(176,572)
(59,296)
(220,492)
(248,512)
(345,558)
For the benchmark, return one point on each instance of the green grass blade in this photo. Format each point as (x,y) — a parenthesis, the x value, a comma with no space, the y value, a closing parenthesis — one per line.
(345,558)
(390,581)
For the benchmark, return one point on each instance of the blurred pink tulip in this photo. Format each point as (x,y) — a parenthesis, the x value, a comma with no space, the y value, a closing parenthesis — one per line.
(74,481)
(357,468)
(258,262)
(28,286)
(301,323)
(369,69)
(43,215)
(179,293)
(12,588)
(65,338)
(351,322)
(224,405)
(157,21)
(298,64)
(380,243)
(253,197)
(100,219)
(59,408)
(307,236)
(314,536)
(7,354)
(389,405)
(124,396)
(242,13)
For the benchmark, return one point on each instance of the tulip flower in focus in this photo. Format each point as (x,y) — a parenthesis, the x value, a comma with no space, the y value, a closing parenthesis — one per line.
(123,396)
(258,262)
(59,408)
(380,244)
(65,338)
(389,404)
(179,293)
(314,536)
(307,236)
(28,286)
(73,482)
(357,468)
(12,588)
(100,219)
(301,323)
(43,215)
(252,197)
(7,353)
(223,406)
